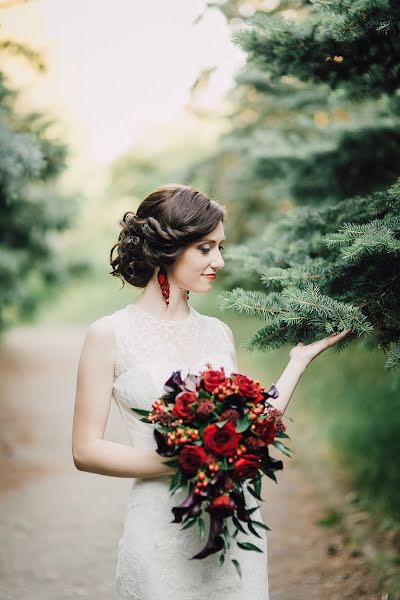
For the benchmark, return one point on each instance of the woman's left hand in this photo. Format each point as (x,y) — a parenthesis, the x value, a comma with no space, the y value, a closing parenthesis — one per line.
(305,353)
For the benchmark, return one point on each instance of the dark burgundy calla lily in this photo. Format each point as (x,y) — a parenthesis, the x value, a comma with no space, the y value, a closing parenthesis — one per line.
(215,543)
(162,447)
(174,384)
(190,506)
(271,393)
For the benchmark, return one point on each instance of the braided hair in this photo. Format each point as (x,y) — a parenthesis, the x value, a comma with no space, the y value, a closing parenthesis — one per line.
(169,219)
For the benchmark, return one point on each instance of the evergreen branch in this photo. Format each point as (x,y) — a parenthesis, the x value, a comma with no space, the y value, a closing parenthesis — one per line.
(393,359)
(253,303)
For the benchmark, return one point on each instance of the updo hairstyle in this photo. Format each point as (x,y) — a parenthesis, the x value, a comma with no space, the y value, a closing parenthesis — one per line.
(166,222)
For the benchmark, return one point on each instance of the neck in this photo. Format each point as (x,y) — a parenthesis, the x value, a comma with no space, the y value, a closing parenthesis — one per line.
(152,300)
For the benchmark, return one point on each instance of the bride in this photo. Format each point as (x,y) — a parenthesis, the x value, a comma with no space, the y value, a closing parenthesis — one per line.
(171,246)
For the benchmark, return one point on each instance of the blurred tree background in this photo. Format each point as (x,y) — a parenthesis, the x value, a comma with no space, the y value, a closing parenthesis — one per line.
(33,210)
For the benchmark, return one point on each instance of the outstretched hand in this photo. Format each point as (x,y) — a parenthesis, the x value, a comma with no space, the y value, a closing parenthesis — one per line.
(305,353)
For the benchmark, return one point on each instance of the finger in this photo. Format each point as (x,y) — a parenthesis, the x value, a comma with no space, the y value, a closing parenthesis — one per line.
(343,332)
(339,335)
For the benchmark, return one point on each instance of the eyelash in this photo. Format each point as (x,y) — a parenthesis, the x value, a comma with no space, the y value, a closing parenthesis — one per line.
(208,249)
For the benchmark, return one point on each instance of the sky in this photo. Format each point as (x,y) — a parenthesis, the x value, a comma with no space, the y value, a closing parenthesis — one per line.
(119,68)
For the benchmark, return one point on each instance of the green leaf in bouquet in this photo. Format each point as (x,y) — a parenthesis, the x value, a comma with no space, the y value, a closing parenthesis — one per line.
(219,406)
(172,463)
(223,464)
(238,486)
(237,567)
(221,558)
(236,532)
(243,424)
(254,493)
(262,525)
(248,546)
(283,448)
(225,535)
(238,524)
(251,528)
(204,394)
(256,481)
(176,480)
(202,527)
(189,523)
(282,434)
(271,475)
(161,428)
(249,511)
(141,411)
(220,424)
(177,489)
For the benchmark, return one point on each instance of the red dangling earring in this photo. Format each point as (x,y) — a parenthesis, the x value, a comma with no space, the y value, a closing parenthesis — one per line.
(163,281)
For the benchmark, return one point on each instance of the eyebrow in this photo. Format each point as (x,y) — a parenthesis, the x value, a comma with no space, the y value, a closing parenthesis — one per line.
(212,241)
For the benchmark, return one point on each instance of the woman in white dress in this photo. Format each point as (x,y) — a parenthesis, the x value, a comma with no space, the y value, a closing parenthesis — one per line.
(170,247)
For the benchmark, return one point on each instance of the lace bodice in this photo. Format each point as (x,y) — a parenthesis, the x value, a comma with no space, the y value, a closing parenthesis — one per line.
(149,349)
(154,553)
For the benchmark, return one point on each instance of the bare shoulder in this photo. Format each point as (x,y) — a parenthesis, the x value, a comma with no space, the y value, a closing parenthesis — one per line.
(100,336)
(100,329)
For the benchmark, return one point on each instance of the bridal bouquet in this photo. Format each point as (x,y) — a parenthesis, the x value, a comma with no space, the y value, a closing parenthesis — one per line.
(220,428)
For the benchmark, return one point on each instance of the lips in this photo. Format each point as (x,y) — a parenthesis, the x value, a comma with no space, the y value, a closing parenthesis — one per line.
(210,276)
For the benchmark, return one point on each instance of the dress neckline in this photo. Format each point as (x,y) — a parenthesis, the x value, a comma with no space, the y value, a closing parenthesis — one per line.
(145,313)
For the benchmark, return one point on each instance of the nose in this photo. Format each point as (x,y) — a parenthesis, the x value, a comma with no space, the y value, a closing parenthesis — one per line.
(218,263)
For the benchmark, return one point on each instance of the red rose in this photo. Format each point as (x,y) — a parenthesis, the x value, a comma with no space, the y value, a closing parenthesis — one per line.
(212,379)
(182,408)
(191,458)
(247,387)
(267,431)
(246,467)
(222,440)
(221,507)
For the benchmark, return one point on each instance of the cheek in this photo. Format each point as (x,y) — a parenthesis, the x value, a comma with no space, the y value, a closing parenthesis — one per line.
(191,261)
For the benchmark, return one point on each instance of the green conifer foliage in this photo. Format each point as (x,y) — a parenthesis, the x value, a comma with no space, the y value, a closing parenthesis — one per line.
(332,261)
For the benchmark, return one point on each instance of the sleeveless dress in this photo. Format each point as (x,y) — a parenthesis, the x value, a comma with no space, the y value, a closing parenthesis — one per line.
(153,553)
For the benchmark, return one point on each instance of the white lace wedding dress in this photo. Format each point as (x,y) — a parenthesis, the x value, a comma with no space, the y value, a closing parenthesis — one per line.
(153,553)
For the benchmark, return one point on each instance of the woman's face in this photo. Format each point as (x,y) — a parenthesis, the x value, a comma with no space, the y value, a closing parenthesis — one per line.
(202,258)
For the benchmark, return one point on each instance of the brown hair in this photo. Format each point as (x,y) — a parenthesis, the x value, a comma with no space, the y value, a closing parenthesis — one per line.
(167,220)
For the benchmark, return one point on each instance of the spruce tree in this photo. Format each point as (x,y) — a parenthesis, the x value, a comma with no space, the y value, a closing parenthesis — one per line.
(332,260)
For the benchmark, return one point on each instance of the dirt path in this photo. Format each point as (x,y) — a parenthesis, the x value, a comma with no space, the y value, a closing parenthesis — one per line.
(62,526)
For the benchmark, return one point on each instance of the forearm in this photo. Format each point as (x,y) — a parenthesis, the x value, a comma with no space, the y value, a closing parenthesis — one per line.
(119,460)
(286,384)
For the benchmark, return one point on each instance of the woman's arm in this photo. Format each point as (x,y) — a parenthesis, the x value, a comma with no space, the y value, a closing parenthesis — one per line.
(286,383)
(91,452)
(300,357)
